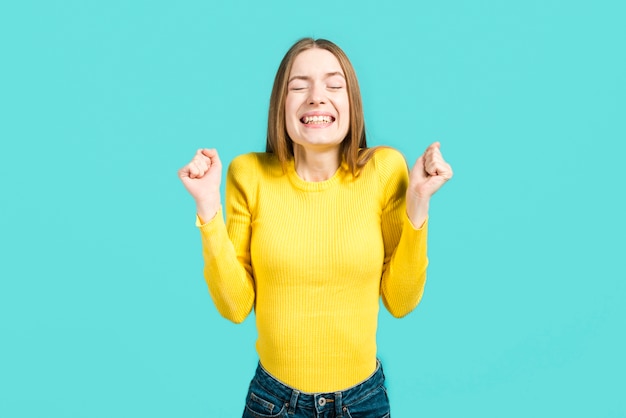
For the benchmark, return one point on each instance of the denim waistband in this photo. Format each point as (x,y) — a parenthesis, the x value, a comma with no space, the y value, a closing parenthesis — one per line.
(320,401)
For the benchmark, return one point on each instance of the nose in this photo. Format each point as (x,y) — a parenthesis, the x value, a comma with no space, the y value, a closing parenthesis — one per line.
(316,94)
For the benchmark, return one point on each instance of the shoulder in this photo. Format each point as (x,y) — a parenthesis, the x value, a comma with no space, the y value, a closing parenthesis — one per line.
(389,162)
(391,169)
(385,153)
(253,160)
(253,164)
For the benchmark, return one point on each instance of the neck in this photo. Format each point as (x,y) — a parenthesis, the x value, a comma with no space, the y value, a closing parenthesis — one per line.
(314,165)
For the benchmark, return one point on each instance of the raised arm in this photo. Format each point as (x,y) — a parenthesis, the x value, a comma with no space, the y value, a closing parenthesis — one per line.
(227,268)
(405,229)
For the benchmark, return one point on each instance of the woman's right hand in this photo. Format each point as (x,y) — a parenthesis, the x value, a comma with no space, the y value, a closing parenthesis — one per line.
(202,178)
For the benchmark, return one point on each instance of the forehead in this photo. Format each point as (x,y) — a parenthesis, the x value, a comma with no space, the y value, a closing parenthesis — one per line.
(315,61)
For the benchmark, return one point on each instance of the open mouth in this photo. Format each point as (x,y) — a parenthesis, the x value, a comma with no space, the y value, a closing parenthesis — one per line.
(317,120)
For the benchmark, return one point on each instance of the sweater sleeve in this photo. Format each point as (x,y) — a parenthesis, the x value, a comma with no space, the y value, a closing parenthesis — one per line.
(226,249)
(404,270)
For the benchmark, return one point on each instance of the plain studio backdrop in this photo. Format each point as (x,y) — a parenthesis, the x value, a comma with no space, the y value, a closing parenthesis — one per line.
(103,308)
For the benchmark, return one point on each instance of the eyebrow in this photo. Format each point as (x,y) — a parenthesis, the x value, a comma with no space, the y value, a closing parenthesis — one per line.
(327,75)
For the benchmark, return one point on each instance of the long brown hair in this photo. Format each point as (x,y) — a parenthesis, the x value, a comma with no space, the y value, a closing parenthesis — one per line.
(354,146)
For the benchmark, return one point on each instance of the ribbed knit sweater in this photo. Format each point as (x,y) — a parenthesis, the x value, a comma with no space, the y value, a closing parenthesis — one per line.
(313,259)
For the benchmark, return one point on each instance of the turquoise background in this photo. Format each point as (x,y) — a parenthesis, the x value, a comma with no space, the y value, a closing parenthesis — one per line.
(103,308)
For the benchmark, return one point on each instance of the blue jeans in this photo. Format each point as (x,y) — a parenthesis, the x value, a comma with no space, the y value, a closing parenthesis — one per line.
(270,398)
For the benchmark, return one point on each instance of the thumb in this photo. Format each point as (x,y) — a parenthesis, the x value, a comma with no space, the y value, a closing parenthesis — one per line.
(213,156)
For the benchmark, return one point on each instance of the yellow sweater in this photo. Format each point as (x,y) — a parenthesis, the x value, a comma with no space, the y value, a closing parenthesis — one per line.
(313,259)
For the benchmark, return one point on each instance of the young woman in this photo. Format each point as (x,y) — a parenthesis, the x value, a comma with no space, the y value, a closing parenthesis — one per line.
(318,228)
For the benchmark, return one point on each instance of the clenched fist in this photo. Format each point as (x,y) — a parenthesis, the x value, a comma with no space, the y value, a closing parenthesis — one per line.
(202,178)
(429,173)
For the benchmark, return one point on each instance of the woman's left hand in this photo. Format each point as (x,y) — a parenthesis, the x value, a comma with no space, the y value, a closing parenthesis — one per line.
(429,173)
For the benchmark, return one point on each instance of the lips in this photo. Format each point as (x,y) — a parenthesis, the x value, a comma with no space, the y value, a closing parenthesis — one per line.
(317,119)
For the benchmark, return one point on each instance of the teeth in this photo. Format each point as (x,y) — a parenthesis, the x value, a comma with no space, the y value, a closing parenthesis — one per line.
(317,119)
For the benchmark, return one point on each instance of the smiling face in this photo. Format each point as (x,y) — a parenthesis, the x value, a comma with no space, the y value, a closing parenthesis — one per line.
(317,109)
